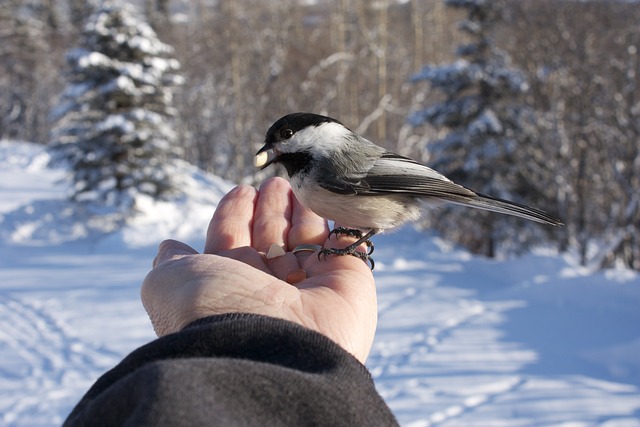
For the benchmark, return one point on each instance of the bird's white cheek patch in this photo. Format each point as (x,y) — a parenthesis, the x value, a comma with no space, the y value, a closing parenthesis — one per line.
(261,159)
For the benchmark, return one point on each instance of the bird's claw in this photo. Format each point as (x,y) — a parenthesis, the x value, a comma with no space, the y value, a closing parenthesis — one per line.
(351,249)
(325,252)
(351,232)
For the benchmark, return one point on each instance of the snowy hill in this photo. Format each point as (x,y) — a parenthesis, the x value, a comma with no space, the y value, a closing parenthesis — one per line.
(462,341)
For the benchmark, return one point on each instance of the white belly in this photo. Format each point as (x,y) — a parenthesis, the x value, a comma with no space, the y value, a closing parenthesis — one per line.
(362,212)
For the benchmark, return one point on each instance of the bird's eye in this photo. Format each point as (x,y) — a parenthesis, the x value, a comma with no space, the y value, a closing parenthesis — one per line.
(287,133)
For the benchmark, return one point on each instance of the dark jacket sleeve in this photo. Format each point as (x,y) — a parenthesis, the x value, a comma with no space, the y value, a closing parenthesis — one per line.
(235,370)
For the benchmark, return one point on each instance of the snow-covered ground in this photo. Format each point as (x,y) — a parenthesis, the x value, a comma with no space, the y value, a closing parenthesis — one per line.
(462,341)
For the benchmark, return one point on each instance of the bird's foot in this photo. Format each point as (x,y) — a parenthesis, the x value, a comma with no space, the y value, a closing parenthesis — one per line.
(325,252)
(353,248)
(354,232)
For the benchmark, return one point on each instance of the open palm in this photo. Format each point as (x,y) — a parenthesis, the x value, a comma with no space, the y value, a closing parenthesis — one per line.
(335,297)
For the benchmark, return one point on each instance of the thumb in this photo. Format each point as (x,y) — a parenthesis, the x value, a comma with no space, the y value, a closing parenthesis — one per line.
(172,249)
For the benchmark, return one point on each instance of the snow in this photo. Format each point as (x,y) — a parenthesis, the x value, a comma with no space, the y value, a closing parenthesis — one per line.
(88,59)
(461,341)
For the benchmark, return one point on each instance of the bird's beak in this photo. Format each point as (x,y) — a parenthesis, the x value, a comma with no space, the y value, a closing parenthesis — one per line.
(265,156)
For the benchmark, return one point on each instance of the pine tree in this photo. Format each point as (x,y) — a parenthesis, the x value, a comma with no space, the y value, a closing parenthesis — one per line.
(114,118)
(485,124)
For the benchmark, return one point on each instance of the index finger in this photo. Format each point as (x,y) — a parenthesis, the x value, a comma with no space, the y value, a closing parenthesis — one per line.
(230,226)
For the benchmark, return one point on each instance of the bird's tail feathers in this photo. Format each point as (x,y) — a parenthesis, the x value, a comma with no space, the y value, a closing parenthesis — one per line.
(495,204)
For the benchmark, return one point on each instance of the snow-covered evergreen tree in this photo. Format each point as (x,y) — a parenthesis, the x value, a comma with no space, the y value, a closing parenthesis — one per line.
(114,120)
(484,121)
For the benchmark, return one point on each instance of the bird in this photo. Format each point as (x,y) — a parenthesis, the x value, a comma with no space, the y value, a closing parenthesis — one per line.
(345,178)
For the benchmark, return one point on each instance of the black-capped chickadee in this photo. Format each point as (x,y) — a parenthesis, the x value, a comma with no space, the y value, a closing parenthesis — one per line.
(343,177)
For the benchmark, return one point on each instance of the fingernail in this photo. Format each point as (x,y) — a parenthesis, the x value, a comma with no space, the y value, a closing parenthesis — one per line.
(296,276)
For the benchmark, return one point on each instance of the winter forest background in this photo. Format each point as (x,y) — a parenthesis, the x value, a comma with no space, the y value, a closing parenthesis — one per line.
(536,100)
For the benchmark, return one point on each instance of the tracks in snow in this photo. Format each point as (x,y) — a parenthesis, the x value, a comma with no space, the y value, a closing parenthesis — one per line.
(40,356)
(439,353)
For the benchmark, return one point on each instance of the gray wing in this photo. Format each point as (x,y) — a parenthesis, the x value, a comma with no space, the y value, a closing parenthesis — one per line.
(392,174)
(395,174)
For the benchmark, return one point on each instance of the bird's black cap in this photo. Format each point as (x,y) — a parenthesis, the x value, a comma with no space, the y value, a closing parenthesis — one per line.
(293,123)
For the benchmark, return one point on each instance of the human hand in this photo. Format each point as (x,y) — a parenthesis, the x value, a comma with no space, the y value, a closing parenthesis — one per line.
(335,297)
